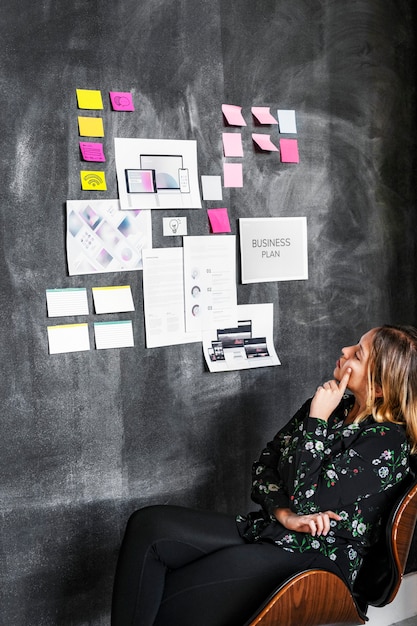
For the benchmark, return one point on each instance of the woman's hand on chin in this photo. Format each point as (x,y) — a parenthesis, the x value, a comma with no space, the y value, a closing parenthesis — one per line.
(328,396)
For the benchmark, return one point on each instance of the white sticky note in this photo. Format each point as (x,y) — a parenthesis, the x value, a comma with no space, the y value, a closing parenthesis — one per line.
(286,120)
(212,187)
(64,302)
(68,338)
(113,299)
(118,334)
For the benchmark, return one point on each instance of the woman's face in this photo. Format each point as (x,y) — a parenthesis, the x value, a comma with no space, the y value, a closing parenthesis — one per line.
(356,357)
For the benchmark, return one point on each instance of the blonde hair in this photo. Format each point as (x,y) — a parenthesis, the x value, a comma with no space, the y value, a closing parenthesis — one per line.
(392,378)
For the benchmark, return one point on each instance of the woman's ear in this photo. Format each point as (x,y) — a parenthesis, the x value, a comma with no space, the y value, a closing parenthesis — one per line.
(378,391)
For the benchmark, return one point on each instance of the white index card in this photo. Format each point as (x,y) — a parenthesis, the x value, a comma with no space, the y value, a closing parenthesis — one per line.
(118,334)
(64,302)
(113,299)
(68,338)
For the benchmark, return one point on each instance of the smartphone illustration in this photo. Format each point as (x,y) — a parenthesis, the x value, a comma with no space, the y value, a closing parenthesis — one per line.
(184,180)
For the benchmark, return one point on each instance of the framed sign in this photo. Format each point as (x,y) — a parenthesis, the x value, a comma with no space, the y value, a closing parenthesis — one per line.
(273,249)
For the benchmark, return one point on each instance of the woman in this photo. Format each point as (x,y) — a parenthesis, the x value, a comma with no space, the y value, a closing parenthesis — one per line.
(322,484)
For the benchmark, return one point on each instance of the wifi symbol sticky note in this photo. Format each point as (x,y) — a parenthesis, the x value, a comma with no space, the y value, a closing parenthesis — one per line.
(93,180)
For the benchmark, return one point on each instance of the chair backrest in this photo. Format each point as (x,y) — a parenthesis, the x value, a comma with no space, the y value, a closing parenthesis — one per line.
(383,569)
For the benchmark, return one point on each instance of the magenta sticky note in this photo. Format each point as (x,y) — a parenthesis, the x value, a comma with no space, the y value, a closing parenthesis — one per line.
(219,220)
(92,151)
(263,115)
(264,142)
(289,150)
(233,115)
(121,101)
(233,174)
(232,144)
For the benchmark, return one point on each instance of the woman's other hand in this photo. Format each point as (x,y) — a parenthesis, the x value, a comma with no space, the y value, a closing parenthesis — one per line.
(315,523)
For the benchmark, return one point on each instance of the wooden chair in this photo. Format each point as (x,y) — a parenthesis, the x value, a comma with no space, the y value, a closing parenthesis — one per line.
(319,598)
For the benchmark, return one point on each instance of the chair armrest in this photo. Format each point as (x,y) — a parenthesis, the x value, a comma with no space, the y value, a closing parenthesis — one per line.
(311,597)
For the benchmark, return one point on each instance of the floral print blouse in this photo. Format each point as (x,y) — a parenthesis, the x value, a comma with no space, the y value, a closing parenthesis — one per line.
(312,465)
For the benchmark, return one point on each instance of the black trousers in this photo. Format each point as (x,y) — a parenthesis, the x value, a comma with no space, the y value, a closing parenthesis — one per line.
(183,567)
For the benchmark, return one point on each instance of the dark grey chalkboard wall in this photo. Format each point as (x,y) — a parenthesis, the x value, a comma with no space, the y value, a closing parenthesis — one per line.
(85,438)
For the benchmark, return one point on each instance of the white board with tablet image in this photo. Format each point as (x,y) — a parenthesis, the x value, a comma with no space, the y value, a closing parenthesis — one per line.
(157,173)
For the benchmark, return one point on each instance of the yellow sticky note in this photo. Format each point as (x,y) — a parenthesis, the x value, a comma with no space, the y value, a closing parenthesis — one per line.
(89,99)
(93,180)
(91,126)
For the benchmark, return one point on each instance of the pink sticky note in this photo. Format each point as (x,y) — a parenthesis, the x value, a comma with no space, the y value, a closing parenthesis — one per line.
(289,150)
(263,115)
(233,174)
(92,151)
(219,220)
(232,145)
(233,115)
(264,142)
(121,101)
